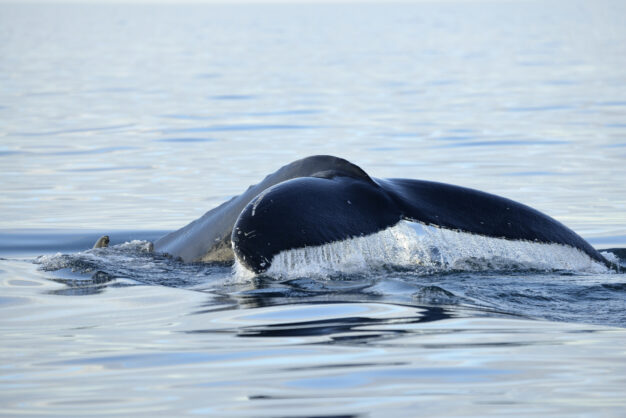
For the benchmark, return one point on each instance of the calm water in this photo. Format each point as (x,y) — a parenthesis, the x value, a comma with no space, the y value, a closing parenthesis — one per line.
(135,120)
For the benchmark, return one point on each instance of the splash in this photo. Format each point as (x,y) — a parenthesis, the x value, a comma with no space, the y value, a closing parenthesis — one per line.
(91,260)
(131,261)
(415,246)
(407,246)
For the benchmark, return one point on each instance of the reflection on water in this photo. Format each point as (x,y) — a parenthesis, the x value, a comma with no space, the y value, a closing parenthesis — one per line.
(96,284)
(493,286)
(133,349)
(350,328)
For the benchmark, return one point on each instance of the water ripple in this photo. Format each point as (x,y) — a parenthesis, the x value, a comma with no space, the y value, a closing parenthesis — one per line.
(240,127)
(185,140)
(233,97)
(74,130)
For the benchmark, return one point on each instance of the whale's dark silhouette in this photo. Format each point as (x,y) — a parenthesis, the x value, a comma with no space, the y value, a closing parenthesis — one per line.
(323,199)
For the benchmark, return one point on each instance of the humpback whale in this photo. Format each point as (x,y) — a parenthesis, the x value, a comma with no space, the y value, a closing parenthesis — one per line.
(324,199)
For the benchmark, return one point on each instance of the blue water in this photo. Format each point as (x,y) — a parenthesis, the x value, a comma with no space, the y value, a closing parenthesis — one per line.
(134,120)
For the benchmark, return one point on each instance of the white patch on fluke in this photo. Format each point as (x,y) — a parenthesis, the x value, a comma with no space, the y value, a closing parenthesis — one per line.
(414,245)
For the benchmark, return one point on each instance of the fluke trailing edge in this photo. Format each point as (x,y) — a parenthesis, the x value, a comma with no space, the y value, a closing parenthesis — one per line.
(324,199)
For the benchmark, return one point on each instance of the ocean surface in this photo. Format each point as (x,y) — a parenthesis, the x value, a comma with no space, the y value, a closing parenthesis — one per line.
(133,120)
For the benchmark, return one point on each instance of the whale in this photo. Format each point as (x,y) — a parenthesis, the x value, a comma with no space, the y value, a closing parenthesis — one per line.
(324,199)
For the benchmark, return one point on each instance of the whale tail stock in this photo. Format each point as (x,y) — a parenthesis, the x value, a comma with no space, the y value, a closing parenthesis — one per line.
(208,238)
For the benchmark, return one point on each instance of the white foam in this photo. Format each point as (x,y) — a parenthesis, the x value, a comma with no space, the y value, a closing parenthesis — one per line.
(240,273)
(418,246)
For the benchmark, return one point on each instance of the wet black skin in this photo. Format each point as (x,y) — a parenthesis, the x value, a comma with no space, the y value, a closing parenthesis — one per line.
(337,204)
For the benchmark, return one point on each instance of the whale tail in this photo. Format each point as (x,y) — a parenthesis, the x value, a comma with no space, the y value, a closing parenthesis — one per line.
(335,206)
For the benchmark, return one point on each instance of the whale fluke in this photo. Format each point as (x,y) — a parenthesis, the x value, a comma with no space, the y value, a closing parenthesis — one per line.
(325,199)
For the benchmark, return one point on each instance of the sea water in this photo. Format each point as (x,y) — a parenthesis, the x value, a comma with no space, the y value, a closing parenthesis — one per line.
(133,120)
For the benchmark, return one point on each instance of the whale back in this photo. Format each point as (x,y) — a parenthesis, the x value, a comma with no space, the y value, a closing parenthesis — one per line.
(208,237)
